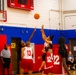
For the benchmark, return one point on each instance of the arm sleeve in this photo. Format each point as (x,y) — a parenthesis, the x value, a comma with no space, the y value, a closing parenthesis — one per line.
(43,57)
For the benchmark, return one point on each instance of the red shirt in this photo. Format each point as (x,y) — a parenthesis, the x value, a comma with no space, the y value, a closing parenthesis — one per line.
(48,60)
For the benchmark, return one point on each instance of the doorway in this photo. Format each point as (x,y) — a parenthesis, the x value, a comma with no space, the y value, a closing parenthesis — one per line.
(16,50)
(72,43)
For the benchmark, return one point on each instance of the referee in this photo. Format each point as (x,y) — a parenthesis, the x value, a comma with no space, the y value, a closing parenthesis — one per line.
(5,56)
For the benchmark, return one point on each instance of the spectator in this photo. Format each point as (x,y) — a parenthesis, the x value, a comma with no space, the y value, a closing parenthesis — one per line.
(71,62)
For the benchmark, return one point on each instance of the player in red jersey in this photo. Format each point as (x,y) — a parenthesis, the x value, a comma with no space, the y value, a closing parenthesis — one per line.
(47,61)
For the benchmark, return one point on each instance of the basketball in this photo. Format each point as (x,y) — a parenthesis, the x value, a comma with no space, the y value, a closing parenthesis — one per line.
(36,16)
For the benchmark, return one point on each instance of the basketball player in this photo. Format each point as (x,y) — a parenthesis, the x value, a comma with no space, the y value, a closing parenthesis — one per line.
(23,45)
(47,48)
(27,61)
(47,61)
(63,53)
(47,40)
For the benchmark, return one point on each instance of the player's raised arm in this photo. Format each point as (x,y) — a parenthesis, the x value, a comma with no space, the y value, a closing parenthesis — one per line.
(32,34)
(44,36)
(43,33)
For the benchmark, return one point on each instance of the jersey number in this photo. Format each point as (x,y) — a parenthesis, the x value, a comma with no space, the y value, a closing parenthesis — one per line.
(56,60)
(50,59)
(28,53)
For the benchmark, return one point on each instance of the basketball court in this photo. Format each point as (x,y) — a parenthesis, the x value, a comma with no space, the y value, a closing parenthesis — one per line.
(72,73)
(54,20)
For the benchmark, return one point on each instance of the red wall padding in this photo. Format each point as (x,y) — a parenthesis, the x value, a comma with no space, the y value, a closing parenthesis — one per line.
(38,52)
(57,69)
(2,42)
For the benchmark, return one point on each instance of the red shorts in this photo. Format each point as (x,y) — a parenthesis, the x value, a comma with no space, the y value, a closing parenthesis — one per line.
(47,71)
(26,64)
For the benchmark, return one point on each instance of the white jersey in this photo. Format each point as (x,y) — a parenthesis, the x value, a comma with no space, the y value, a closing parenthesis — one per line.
(46,44)
(28,53)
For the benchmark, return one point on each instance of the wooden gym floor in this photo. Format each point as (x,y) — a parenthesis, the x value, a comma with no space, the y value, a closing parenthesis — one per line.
(73,72)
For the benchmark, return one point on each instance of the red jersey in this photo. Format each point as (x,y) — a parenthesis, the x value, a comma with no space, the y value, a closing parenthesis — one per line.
(48,61)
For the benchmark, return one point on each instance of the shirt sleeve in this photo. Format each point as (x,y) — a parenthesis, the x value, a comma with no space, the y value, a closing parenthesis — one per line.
(43,57)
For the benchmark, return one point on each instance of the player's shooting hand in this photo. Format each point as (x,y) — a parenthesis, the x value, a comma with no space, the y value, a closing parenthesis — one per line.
(42,26)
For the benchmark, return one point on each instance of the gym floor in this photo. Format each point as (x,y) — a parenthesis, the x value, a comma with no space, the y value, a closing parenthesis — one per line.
(73,72)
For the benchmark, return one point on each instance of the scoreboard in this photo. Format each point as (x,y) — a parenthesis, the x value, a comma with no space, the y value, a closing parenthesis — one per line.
(21,4)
